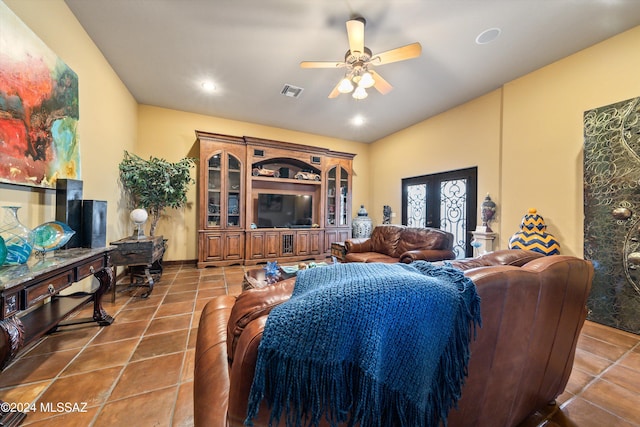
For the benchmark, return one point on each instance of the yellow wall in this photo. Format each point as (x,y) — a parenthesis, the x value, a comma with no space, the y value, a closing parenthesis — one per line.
(543,134)
(466,136)
(111,122)
(170,134)
(108,115)
(525,138)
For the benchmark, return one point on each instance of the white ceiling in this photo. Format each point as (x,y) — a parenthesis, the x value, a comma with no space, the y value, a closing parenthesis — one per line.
(163,49)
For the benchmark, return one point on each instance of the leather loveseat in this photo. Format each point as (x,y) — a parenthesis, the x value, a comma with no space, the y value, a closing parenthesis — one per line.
(533,308)
(399,243)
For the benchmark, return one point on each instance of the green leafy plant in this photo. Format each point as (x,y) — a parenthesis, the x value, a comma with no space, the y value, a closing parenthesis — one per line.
(156,184)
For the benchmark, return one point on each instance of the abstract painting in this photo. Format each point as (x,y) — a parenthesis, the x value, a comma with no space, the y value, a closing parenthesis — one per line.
(38,109)
(612,212)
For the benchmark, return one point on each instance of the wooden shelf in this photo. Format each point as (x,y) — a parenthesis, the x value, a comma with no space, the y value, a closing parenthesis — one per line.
(286,180)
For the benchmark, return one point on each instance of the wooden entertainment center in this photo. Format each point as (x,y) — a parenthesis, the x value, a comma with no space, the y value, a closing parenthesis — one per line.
(262,200)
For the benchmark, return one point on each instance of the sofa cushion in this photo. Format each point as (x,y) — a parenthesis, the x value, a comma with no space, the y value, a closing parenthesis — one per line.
(384,239)
(412,238)
(369,257)
(514,257)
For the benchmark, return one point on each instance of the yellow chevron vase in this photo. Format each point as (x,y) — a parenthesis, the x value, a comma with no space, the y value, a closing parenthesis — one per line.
(533,236)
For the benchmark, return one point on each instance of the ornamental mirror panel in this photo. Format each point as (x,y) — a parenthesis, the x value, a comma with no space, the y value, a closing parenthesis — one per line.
(612,212)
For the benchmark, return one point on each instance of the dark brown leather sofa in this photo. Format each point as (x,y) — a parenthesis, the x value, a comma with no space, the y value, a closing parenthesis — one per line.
(398,243)
(533,309)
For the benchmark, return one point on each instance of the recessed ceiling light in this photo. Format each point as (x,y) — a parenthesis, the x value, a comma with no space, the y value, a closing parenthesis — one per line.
(208,86)
(487,36)
(358,121)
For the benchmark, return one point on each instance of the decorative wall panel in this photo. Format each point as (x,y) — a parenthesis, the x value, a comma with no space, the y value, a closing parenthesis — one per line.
(38,109)
(612,212)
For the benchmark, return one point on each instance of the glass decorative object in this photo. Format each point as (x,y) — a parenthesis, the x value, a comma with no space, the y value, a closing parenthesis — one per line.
(51,236)
(272,272)
(362,225)
(533,237)
(3,251)
(17,238)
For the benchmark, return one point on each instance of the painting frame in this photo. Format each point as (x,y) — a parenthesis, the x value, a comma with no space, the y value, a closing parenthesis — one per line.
(39,109)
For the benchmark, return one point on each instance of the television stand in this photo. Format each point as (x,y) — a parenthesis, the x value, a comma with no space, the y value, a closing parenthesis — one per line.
(250,187)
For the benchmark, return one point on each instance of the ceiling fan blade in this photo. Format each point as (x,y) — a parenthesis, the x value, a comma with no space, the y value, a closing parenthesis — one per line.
(380,84)
(355,32)
(321,64)
(335,92)
(409,51)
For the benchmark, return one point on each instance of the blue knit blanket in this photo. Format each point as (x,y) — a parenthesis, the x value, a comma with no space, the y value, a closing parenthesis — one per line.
(368,345)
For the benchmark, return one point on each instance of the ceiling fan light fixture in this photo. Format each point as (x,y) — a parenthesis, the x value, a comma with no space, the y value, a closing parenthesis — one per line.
(345,86)
(360,93)
(366,80)
(357,61)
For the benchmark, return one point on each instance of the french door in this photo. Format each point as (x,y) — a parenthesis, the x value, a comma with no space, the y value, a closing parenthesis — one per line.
(446,200)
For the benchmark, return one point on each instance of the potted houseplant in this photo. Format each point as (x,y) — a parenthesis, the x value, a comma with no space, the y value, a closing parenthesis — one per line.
(156,184)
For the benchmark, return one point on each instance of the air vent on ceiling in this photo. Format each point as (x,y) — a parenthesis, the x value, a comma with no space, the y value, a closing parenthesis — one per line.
(291,91)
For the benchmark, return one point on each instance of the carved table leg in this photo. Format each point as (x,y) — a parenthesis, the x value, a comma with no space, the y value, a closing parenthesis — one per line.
(147,274)
(12,339)
(105,277)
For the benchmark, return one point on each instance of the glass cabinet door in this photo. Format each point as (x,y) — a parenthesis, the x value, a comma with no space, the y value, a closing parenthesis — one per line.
(344,193)
(233,191)
(331,197)
(337,197)
(214,188)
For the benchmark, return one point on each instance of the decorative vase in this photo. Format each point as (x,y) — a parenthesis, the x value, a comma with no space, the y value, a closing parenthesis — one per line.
(386,214)
(3,251)
(17,238)
(362,224)
(533,237)
(487,210)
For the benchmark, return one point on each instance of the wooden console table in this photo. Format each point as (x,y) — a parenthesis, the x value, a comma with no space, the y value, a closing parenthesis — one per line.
(144,253)
(29,285)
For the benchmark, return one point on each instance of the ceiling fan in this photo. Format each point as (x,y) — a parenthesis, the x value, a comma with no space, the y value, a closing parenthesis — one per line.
(358,62)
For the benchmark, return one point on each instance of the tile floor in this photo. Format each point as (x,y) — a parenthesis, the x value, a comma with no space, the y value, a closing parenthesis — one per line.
(139,370)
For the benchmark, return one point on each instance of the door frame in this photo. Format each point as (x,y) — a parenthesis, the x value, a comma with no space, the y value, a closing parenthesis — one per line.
(433,199)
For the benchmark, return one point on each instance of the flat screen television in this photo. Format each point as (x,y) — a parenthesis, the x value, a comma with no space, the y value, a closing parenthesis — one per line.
(284,211)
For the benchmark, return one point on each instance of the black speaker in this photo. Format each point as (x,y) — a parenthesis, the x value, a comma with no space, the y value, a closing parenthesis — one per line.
(69,208)
(94,223)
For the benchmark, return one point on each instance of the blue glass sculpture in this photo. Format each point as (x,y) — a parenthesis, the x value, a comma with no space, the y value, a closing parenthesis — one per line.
(17,237)
(51,236)
(272,272)
(3,251)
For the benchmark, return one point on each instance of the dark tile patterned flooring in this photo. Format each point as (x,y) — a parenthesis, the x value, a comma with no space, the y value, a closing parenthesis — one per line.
(139,370)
